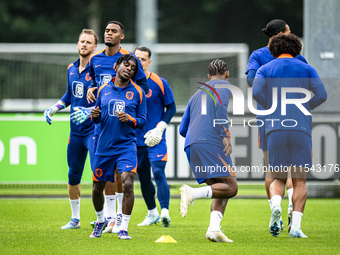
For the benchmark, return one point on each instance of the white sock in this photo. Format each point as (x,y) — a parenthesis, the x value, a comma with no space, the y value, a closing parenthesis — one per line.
(296,221)
(276,201)
(202,192)
(125,222)
(290,196)
(165,212)
(270,203)
(110,206)
(153,212)
(75,208)
(119,203)
(100,216)
(215,221)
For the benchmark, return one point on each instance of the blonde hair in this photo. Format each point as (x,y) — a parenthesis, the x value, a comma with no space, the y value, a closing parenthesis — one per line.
(90,32)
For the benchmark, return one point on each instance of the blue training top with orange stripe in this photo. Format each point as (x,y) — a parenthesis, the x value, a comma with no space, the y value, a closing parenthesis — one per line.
(160,95)
(199,128)
(117,137)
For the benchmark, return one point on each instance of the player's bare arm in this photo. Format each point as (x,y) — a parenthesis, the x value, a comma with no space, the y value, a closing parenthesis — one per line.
(122,116)
(227,146)
(95,113)
(90,97)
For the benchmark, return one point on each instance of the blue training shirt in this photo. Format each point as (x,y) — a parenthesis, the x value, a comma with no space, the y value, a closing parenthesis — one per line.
(116,137)
(259,58)
(77,85)
(198,128)
(288,72)
(160,95)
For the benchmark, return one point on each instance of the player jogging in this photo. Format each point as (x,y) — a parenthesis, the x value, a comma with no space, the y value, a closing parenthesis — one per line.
(207,146)
(81,137)
(289,137)
(120,108)
(257,59)
(151,142)
(102,71)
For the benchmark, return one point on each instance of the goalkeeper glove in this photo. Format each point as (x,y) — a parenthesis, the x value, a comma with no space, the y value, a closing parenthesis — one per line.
(53,110)
(154,136)
(80,114)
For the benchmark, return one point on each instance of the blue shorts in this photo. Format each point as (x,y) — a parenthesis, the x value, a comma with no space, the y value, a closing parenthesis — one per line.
(147,154)
(262,140)
(289,148)
(208,161)
(77,149)
(105,165)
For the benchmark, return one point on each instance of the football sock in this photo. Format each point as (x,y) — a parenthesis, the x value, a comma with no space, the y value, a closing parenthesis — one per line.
(270,203)
(153,212)
(276,201)
(215,220)
(125,222)
(296,221)
(202,192)
(110,206)
(163,191)
(100,216)
(119,203)
(290,195)
(75,208)
(147,187)
(165,212)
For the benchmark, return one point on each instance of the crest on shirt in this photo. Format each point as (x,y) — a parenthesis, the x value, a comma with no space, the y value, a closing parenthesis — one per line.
(88,77)
(105,78)
(149,93)
(78,89)
(116,105)
(129,95)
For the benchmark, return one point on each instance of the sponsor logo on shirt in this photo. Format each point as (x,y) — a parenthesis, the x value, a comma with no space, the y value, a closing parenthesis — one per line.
(105,78)
(116,105)
(78,89)
(96,66)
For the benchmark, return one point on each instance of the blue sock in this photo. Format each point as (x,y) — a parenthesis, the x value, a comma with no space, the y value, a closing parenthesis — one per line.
(147,187)
(163,192)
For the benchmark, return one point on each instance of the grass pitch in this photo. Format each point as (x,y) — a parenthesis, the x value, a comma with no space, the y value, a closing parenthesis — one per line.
(32,226)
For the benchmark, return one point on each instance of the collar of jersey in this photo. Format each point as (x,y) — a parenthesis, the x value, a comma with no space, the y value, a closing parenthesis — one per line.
(285,56)
(76,64)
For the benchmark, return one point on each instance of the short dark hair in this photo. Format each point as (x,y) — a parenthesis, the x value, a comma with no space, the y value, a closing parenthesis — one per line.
(125,58)
(285,44)
(117,23)
(144,48)
(274,27)
(217,66)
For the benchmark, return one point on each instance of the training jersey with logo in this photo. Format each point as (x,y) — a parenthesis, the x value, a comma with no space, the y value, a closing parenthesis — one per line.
(199,128)
(116,137)
(77,84)
(288,72)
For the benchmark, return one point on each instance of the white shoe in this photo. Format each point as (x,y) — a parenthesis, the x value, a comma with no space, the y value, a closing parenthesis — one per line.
(187,198)
(296,233)
(116,227)
(217,236)
(165,221)
(274,224)
(290,212)
(110,226)
(149,220)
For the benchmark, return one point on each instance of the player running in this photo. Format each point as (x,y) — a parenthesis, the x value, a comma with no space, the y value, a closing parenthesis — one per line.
(120,108)
(102,71)
(289,144)
(151,143)
(257,59)
(208,146)
(81,137)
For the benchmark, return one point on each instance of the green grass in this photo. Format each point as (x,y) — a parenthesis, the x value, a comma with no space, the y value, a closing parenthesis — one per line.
(42,190)
(32,226)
